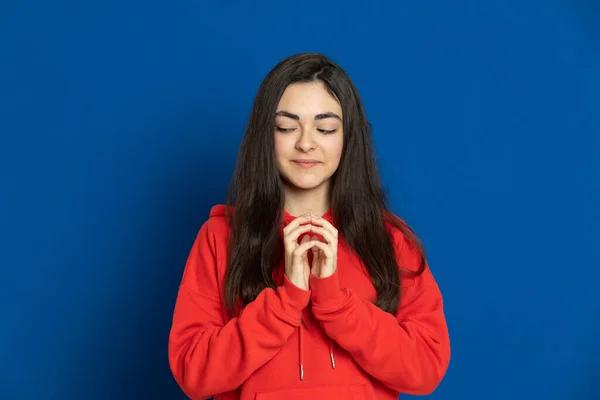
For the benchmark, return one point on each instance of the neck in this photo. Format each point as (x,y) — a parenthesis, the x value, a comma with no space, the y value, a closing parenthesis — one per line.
(299,201)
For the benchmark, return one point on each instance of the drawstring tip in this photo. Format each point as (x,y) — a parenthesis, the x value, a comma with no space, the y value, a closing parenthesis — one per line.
(301,372)
(332,360)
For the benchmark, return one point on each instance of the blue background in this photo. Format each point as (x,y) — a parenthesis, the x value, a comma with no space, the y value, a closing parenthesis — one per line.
(120,122)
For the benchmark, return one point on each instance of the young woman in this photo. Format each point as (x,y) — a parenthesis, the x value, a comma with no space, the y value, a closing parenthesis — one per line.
(305,285)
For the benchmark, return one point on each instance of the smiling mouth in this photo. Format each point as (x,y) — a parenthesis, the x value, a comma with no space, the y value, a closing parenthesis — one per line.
(306,164)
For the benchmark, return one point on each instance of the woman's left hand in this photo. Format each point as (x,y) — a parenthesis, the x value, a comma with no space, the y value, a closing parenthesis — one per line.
(324,261)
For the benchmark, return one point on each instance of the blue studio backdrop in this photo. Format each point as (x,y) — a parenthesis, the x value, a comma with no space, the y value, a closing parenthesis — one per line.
(120,122)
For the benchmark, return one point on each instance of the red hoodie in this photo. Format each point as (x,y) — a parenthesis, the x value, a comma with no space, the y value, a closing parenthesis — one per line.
(329,342)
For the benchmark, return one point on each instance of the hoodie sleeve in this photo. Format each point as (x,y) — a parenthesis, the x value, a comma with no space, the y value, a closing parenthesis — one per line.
(409,352)
(209,356)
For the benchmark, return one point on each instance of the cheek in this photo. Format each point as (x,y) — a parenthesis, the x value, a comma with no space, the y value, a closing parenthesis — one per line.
(279,146)
(282,148)
(334,148)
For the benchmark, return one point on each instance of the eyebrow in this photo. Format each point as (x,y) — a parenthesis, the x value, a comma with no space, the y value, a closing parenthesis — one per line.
(317,117)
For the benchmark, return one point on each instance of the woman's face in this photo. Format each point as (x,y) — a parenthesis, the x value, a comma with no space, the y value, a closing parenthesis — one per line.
(308,135)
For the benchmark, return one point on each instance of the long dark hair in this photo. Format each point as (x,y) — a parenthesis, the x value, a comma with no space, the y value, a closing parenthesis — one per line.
(359,204)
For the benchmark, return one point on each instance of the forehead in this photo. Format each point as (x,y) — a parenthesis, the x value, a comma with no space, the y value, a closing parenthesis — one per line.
(308,99)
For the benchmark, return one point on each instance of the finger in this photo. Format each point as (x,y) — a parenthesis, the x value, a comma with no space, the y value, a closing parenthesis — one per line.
(305,254)
(327,235)
(315,249)
(300,250)
(325,224)
(325,248)
(296,222)
(292,236)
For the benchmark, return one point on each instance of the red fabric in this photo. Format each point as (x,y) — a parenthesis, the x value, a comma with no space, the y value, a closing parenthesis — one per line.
(329,342)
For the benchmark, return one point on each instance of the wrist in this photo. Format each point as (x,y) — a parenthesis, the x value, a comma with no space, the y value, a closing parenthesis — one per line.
(326,291)
(323,274)
(297,297)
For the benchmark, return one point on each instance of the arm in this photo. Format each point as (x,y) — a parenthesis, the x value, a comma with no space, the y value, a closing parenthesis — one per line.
(408,352)
(208,356)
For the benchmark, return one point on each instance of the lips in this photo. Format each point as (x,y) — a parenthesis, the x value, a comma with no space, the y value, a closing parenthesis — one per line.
(306,164)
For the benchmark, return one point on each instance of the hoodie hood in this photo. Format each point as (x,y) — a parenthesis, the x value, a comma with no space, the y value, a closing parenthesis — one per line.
(278,275)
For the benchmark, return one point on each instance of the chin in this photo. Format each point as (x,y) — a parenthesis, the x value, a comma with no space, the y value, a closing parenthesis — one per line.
(305,183)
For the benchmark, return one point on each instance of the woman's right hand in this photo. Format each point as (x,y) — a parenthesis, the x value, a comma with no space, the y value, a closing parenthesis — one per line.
(297,268)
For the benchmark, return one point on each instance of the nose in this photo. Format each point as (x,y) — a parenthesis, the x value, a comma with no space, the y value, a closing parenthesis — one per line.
(305,142)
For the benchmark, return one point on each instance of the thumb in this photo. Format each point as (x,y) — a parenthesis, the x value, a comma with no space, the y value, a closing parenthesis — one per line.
(316,256)
(315,249)
(304,239)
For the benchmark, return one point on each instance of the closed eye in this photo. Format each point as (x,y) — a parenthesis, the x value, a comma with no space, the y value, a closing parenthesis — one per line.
(323,131)
(327,132)
(284,130)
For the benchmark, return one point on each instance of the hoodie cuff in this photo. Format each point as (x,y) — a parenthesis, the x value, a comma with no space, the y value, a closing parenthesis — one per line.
(326,292)
(297,298)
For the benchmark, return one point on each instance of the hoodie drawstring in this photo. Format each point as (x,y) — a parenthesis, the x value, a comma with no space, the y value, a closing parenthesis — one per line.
(301,353)
(331,354)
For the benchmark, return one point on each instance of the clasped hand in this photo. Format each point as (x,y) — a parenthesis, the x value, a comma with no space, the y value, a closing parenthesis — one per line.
(324,262)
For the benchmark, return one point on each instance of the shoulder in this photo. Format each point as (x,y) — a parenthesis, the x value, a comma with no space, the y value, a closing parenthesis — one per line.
(206,263)
(416,274)
(407,245)
(219,219)
(212,237)
(217,225)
